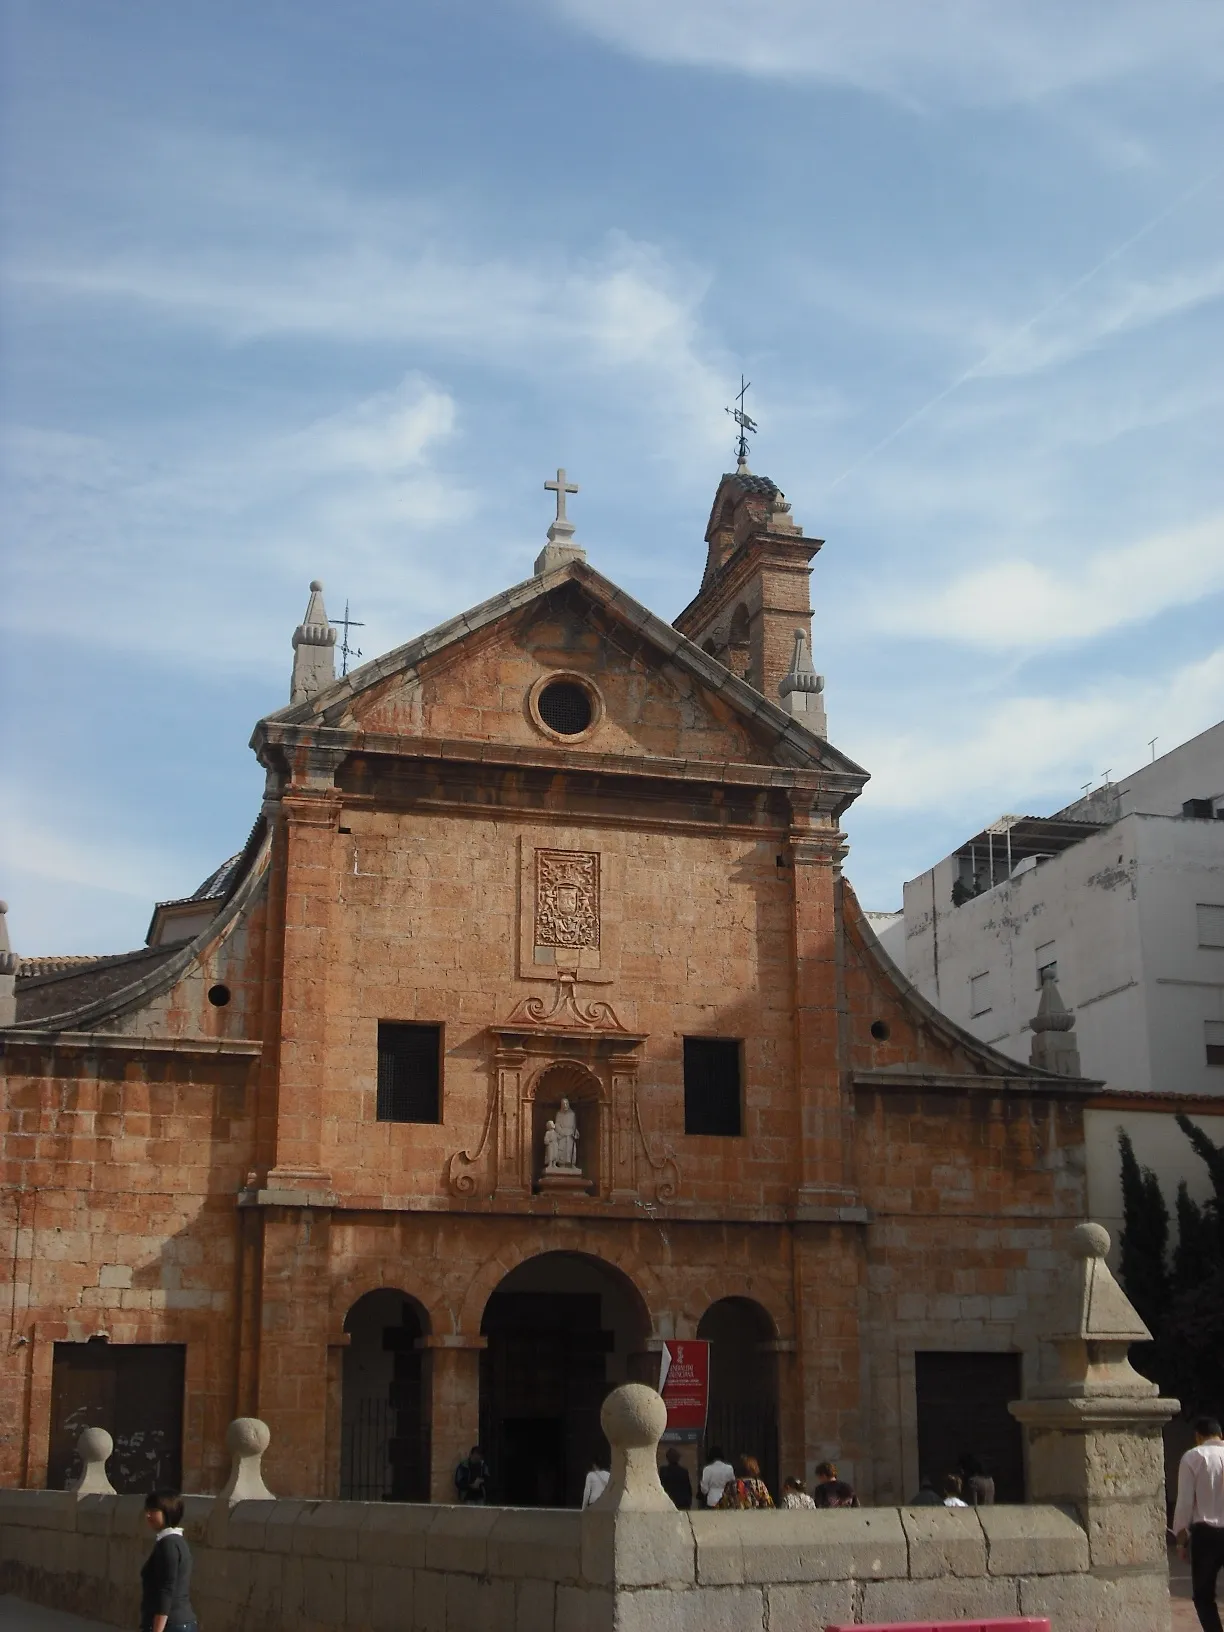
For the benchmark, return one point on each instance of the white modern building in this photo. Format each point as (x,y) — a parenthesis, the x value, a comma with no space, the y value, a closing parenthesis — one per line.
(1121,895)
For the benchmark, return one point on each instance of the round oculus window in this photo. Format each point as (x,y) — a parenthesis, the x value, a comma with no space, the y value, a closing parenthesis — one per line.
(565,707)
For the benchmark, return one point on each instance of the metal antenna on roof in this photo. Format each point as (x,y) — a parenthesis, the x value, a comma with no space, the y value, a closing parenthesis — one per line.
(346,651)
(745,424)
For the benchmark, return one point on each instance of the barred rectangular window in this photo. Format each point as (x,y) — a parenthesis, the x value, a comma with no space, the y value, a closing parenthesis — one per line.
(712,1097)
(409,1072)
(979,994)
(1214,1041)
(1210,924)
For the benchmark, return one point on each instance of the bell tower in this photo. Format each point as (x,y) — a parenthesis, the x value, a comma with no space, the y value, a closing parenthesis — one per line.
(754,597)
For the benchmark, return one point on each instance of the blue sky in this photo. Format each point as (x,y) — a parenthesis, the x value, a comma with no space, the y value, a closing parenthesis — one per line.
(301,289)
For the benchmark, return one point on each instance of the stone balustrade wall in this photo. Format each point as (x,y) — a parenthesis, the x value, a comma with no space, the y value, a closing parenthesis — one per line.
(314,1566)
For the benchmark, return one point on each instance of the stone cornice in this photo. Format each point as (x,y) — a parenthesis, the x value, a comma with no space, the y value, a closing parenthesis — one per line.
(810,778)
(1033,1084)
(102,1042)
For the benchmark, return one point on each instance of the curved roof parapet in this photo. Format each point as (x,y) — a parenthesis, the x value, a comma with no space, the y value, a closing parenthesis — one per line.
(68,994)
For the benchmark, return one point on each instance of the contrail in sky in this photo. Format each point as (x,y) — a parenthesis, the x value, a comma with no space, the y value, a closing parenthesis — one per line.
(1010,339)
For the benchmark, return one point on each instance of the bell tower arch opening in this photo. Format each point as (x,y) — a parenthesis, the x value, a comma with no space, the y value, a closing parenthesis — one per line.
(384,1420)
(563,1330)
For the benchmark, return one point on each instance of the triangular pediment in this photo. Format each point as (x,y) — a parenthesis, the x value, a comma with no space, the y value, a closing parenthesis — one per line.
(478,678)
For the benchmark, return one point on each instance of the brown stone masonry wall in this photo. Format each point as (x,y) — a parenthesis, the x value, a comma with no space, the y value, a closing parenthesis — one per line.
(120,1171)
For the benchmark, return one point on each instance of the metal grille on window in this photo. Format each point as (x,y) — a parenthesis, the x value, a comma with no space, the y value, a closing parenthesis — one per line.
(408,1072)
(712,1086)
(565,708)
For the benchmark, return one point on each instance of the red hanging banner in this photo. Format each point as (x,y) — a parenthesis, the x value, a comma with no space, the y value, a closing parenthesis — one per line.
(684,1382)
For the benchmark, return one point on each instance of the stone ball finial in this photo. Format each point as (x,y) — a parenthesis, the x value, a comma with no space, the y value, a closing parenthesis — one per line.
(247,1436)
(95,1448)
(95,1445)
(246,1439)
(633,1415)
(316,586)
(1089,1241)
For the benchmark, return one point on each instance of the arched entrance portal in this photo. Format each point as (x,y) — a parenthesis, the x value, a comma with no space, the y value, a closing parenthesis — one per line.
(384,1432)
(563,1329)
(743,1412)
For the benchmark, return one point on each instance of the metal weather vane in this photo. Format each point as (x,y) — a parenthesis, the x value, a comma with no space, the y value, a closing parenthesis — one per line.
(743,421)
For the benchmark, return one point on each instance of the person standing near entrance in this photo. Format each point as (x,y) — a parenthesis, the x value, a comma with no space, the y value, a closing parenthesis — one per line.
(674,1477)
(596,1483)
(715,1477)
(165,1576)
(472,1478)
(1198,1518)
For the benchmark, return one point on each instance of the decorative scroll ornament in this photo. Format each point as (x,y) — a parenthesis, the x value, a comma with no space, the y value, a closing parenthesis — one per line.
(567,1013)
(667,1185)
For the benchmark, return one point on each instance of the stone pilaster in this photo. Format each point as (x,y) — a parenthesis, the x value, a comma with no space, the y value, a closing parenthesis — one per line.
(454,1403)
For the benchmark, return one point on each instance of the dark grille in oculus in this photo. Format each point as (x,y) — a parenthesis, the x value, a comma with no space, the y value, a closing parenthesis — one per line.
(565,708)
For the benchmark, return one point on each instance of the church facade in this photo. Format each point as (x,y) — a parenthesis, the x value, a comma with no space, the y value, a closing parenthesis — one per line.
(534,1028)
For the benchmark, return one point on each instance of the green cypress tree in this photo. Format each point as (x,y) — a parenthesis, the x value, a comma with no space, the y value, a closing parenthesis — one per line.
(1212,1155)
(1195,1256)
(1145,1239)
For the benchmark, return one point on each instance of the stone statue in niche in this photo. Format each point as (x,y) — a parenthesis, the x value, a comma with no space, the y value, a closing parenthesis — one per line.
(561,1170)
(566,1125)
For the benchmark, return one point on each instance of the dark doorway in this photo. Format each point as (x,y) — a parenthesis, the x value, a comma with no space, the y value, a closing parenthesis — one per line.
(135,1392)
(384,1437)
(562,1329)
(532,1455)
(743,1412)
(962,1407)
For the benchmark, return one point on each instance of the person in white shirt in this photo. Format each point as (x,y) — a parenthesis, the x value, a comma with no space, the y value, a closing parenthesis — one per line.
(1198,1518)
(952,1487)
(596,1484)
(715,1477)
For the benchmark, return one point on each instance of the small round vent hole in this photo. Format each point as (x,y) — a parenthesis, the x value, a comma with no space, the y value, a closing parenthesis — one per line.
(218,996)
(880,1031)
(565,708)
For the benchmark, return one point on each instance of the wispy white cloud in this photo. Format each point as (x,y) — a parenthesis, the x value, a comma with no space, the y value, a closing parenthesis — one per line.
(967,50)
(1024,604)
(387,434)
(1026,749)
(1121,306)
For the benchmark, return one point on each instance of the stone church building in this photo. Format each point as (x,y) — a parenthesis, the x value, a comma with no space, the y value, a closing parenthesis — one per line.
(534,1027)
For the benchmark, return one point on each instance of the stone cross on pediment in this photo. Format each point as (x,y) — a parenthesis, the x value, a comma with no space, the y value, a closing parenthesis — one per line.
(561,487)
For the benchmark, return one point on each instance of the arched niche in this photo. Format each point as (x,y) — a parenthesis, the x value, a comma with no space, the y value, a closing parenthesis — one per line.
(738,651)
(743,1410)
(384,1421)
(567,1079)
(563,1328)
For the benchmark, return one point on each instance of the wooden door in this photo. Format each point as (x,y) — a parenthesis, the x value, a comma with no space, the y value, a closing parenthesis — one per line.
(962,1407)
(135,1392)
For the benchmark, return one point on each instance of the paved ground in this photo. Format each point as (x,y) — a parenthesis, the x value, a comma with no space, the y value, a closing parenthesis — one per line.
(17,1616)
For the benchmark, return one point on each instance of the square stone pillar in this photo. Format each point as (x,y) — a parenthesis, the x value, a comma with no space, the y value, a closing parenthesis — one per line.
(454,1407)
(1094,1445)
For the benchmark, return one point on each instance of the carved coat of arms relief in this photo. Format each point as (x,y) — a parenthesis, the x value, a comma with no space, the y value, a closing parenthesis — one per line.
(567,898)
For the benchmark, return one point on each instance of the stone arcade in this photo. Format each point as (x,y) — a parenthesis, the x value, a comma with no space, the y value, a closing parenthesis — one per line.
(534,1026)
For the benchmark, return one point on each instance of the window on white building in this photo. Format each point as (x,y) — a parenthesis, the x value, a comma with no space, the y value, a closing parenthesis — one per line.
(1047,962)
(1214,1039)
(1210,924)
(979,994)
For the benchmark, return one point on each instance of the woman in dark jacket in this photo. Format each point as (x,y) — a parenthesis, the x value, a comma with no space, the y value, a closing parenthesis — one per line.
(165,1576)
